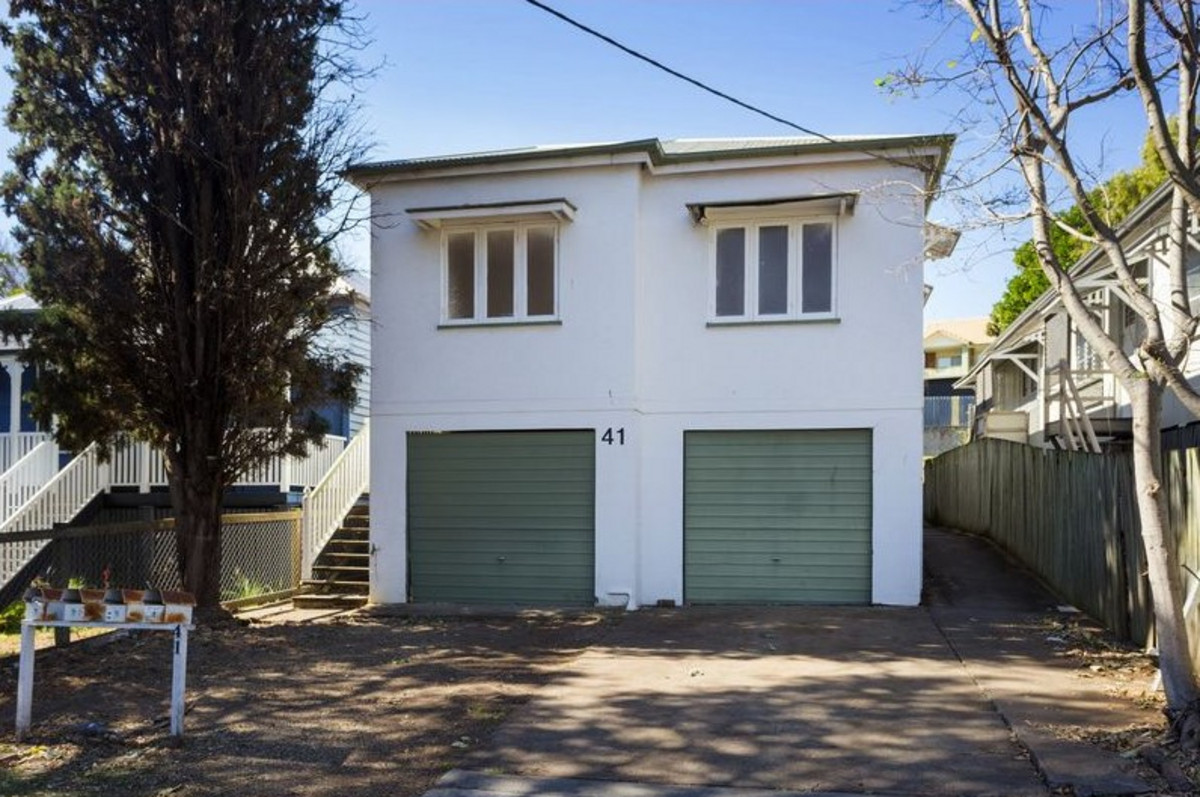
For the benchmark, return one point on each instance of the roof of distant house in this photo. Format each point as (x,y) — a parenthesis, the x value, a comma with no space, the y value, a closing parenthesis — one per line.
(971,331)
(19,301)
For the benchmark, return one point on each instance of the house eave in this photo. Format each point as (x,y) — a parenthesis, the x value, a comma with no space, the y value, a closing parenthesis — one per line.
(928,153)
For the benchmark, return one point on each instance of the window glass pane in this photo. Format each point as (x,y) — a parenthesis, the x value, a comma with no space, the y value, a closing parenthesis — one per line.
(539,272)
(772,270)
(731,271)
(500,274)
(817,282)
(460,264)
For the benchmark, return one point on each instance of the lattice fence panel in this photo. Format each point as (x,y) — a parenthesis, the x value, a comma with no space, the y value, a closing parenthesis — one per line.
(260,553)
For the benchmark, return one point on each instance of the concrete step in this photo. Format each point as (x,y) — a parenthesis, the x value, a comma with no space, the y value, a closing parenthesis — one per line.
(318,601)
(341,558)
(357,573)
(346,547)
(332,586)
(341,573)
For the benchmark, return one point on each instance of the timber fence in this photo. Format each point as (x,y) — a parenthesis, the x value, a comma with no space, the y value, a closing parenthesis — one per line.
(260,555)
(1071,518)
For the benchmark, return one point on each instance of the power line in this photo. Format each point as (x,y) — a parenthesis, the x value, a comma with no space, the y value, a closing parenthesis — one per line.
(676,73)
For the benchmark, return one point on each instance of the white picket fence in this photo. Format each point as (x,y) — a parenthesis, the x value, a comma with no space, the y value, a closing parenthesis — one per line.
(325,506)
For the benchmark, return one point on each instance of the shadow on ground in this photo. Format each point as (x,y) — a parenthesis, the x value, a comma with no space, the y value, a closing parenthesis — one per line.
(363,707)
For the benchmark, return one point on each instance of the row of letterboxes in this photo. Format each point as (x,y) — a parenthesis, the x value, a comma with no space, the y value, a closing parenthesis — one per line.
(112,605)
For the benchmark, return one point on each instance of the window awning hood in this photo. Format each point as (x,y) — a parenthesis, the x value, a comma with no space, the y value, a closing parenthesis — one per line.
(550,210)
(838,204)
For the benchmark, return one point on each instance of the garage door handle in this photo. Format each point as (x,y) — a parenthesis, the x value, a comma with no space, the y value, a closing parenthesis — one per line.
(776,559)
(500,558)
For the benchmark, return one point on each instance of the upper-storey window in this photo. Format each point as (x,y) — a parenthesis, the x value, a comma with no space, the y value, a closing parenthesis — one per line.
(500,273)
(774,270)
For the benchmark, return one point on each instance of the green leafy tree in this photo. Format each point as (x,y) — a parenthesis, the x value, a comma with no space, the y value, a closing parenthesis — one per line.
(175,169)
(1115,199)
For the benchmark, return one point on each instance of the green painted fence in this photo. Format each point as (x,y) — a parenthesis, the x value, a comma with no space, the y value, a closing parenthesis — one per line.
(1070,517)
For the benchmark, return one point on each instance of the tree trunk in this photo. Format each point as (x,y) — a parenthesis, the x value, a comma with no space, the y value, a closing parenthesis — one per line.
(196,497)
(1175,659)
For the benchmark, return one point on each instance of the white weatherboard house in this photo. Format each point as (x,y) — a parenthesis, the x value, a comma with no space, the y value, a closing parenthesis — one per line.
(650,371)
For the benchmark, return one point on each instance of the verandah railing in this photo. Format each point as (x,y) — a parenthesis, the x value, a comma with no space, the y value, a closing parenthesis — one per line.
(141,466)
(326,505)
(35,495)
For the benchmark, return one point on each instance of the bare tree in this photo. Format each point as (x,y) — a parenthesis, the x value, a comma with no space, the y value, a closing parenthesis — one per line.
(1039,80)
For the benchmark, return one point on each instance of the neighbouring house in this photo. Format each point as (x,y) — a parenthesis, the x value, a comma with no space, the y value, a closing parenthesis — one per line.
(19,433)
(1041,383)
(138,479)
(651,372)
(348,335)
(43,487)
(951,348)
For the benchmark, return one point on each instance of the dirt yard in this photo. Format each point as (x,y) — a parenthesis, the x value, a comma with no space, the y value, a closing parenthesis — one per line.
(355,705)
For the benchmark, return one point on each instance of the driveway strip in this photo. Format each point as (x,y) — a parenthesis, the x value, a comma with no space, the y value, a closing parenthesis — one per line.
(460,783)
(811,699)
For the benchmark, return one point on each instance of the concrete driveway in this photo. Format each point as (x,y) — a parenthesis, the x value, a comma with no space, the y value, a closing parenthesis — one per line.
(811,699)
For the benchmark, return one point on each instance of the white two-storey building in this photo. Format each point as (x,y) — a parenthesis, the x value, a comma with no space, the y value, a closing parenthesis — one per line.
(650,371)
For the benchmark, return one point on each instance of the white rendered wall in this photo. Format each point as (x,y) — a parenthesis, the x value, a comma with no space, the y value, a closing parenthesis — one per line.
(577,375)
(634,352)
(861,371)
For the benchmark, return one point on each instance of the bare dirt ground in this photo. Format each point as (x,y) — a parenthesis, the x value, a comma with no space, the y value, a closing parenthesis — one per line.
(354,705)
(367,705)
(1125,672)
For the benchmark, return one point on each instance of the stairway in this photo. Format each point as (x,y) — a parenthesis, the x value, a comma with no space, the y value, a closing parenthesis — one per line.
(341,572)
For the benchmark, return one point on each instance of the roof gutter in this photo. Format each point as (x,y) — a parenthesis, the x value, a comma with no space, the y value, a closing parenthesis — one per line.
(932,164)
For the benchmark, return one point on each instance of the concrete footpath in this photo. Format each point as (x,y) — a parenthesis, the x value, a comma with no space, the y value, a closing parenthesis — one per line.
(964,697)
(993,615)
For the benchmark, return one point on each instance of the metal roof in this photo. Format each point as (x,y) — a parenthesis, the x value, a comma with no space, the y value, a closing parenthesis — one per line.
(668,151)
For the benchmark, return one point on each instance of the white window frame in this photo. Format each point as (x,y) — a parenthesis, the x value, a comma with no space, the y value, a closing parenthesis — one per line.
(750,313)
(520,314)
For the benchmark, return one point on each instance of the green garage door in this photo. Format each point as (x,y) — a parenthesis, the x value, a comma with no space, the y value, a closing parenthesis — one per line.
(501,517)
(777,516)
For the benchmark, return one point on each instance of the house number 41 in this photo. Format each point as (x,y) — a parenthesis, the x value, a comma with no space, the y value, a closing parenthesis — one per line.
(611,436)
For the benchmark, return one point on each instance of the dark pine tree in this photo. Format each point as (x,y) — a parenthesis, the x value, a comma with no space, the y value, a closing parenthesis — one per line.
(175,169)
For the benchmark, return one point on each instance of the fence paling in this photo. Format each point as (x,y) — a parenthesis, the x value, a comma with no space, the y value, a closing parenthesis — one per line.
(326,505)
(1070,517)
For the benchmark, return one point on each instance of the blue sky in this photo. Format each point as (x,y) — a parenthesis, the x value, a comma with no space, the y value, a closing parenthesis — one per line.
(470,75)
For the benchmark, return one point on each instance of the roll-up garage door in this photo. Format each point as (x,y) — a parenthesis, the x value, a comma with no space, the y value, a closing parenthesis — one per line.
(502,517)
(777,516)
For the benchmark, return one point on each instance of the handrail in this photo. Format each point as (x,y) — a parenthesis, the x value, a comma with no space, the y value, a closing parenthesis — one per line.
(1087,433)
(15,446)
(325,506)
(59,500)
(26,476)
